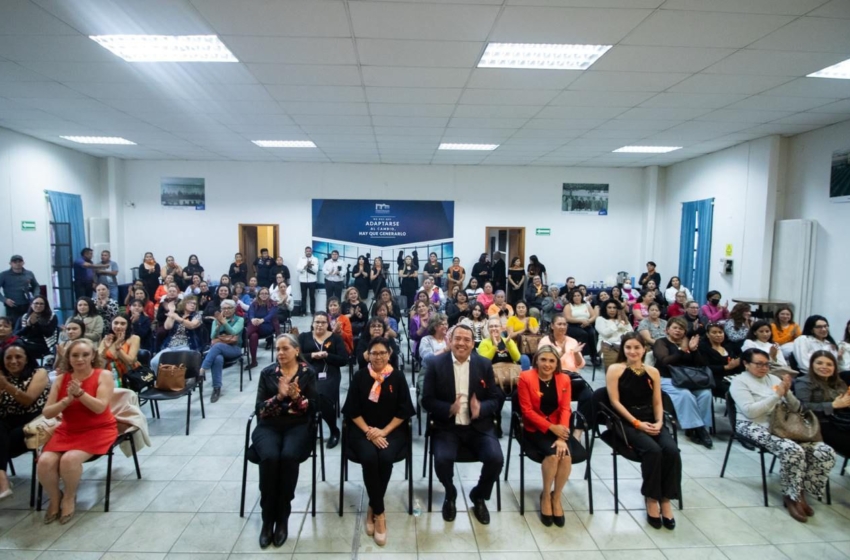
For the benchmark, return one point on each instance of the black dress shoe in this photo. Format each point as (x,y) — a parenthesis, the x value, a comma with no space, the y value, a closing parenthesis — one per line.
(545,519)
(560,520)
(333,441)
(266,534)
(704,438)
(449,510)
(668,523)
(480,511)
(654,522)
(216,394)
(280,533)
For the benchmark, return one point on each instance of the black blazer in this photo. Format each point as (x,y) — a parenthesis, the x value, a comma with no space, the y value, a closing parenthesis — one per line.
(438,392)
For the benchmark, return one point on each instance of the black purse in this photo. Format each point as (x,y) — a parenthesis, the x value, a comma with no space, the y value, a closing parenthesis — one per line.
(691,378)
(139,379)
(840,419)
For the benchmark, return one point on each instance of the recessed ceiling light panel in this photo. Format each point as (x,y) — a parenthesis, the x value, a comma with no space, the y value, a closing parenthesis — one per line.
(541,56)
(284,143)
(166,48)
(840,71)
(107,140)
(469,147)
(647,149)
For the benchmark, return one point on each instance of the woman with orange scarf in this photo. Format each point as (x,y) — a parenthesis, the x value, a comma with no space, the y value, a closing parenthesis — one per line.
(377,404)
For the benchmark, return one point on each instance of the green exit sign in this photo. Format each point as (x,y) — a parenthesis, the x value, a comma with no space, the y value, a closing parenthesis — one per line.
(28,226)
(542,231)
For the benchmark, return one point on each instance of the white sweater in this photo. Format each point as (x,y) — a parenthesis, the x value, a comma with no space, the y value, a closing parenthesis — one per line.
(755,398)
(805,346)
(611,331)
(766,346)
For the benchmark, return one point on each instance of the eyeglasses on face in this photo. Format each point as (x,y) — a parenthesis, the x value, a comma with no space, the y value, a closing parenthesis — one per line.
(379,354)
(760,364)
(320,322)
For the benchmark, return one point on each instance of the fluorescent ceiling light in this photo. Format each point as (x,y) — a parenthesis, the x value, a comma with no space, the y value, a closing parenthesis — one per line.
(110,140)
(647,149)
(284,143)
(166,48)
(469,147)
(840,71)
(541,56)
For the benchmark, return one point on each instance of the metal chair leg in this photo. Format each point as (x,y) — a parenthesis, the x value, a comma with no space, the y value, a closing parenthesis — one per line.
(763,478)
(108,479)
(616,487)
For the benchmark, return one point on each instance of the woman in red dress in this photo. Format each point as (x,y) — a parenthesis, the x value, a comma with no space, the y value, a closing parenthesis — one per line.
(82,396)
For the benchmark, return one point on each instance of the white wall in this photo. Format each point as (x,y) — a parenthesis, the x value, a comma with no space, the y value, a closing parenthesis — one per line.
(28,167)
(807,196)
(588,247)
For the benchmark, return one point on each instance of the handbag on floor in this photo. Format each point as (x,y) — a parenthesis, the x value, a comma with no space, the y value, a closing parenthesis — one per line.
(171,377)
(691,378)
(801,426)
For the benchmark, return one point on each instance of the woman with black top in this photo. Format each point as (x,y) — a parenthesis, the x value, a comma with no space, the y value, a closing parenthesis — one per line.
(38,329)
(481,270)
(355,310)
(325,352)
(286,400)
(378,276)
(516,281)
(693,321)
(458,308)
(194,267)
(375,329)
(537,268)
(693,406)
(361,276)
(544,397)
(408,279)
(634,391)
(238,270)
(149,273)
(378,403)
(434,269)
(385,296)
(722,358)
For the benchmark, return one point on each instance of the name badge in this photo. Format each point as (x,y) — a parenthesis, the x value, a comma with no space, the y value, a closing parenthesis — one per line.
(323,375)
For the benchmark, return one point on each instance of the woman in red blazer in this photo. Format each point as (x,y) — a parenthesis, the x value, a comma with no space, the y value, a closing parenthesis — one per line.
(544,397)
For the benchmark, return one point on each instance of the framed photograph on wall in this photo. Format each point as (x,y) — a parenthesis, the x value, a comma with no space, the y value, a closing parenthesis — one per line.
(584,198)
(839,179)
(183,192)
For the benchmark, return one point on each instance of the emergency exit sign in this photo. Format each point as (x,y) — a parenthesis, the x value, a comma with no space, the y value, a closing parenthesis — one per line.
(543,231)
(28,226)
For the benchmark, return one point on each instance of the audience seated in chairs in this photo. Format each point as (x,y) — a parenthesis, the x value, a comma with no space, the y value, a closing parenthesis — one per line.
(355,310)
(611,325)
(535,294)
(693,406)
(225,344)
(105,305)
(477,321)
(677,307)
(804,467)
(713,311)
(500,307)
(674,286)
(580,318)
(434,343)
(815,337)
(385,296)
(634,391)
(419,323)
(761,337)
(7,333)
(458,308)
(89,315)
(382,313)
(501,349)
(340,324)
(261,323)
(182,327)
(24,388)
(120,348)
(737,327)
(82,395)
(376,328)
(693,319)
(824,392)
(544,397)
(552,305)
(486,297)
(785,330)
(435,295)
(287,398)
(722,358)
(325,352)
(521,323)
(461,395)
(652,327)
(473,290)
(378,403)
(37,328)
(74,329)
(640,309)
(140,324)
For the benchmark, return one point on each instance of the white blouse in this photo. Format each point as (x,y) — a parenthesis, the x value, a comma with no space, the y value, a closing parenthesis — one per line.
(805,346)
(580,311)
(611,330)
(766,346)
(670,293)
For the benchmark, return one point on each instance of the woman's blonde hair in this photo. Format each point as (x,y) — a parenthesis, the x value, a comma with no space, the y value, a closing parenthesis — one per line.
(547,349)
(97,361)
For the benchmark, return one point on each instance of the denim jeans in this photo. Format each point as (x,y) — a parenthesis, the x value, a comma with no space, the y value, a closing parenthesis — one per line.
(155,360)
(214,360)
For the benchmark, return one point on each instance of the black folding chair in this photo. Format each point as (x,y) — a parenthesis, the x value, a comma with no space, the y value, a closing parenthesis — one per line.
(192,360)
(348,454)
(615,436)
(249,454)
(34,480)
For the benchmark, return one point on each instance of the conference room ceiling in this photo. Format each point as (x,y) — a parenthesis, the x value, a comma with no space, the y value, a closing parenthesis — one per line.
(374,81)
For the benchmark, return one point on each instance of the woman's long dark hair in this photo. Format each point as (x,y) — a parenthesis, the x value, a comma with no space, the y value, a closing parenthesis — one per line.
(29,367)
(92,308)
(621,353)
(756,326)
(780,309)
(47,310)
(670,282)
(831,384)
(809,327)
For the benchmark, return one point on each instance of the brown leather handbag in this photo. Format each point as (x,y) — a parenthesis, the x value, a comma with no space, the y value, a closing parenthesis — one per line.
(529,343)
(507,376)
(171,377)
(801,426)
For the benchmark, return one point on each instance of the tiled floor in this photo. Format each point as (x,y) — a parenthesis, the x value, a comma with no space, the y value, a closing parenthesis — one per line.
(187,506)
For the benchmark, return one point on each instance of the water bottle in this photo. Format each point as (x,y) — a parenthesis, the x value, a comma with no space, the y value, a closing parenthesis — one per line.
(417,508)
(115,377)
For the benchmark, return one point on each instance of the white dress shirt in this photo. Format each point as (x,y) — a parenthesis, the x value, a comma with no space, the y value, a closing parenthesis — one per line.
(303,274)
(461,370)
(331,272)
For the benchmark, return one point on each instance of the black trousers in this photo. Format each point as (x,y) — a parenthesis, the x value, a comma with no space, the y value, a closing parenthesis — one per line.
(660,463)
(484,447)
(12,437)
(15,313)
(308,288)
(329,396)
(587,335)
(333,289)
(83,290)
(377,463)
(281,452)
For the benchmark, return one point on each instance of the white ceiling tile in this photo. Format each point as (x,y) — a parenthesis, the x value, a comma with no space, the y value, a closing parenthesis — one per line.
(743,115)
(411,132)
(163,17)
(476,122)
(497,111)
(813,87)
(565,25)
(664,113)
(12,72)
(633,58)
(314,108)
(379,20)
(241,107)
(64,106)
(703,29)
(648,126)
(53,48)
(728,84)
(412,95)
(809,118)
(614,135)
(774,103)
(234,120)
(693,100)
(564,124)
(626,81)
(476,135)
(410,110)
(327,94)
(809,34)
(596,98)
(103,72)
(337,120)
(833,9)
(650,4)
(541,134)
(334,129)
(261,131)
(837,107)
(180,72)
(775,63)
(448,54)
(280,17)
(388,137)
(21,17)
(306,75)
(290,50)
(37,90)
(598,144)
(780,7)
(423,122)
(498,78)
(393,76)
(507,97)
(565,112)
(783,129)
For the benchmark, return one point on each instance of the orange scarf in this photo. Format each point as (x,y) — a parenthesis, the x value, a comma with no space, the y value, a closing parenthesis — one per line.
(379,377)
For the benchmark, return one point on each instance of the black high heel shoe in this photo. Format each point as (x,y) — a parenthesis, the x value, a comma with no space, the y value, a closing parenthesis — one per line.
(560,520)
(654,522)
(545,519)
(668,523)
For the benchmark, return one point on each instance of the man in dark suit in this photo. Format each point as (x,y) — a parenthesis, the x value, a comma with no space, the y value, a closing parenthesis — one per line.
(500,272)
(461,394)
